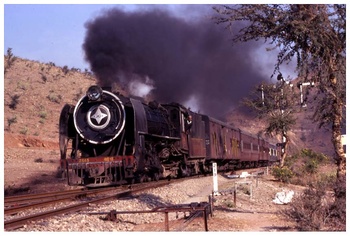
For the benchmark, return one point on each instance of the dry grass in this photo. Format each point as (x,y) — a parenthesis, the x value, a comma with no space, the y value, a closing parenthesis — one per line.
(40,90)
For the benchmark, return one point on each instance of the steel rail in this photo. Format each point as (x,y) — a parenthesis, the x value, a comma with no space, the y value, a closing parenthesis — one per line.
(39,196)
(18,222)
(25,201)
(16,209)
(27,197)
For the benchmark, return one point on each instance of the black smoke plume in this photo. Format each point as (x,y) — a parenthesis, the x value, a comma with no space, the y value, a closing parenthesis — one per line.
(184,57)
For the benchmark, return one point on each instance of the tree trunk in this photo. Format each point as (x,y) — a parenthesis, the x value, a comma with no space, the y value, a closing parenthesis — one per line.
(284,154)
(336,140)
(337,108)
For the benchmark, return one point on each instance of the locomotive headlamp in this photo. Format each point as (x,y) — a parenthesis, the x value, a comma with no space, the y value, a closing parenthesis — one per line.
(94,92)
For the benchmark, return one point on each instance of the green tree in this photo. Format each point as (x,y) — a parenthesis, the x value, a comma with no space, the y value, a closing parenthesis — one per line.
(313,35)
(277,105)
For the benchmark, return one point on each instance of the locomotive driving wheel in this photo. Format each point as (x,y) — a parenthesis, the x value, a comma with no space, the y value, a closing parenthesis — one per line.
(142,178)
(155,176)
(183,170)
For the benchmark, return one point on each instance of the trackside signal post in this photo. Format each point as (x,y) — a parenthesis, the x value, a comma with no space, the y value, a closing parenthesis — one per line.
(215,179)
(281,83)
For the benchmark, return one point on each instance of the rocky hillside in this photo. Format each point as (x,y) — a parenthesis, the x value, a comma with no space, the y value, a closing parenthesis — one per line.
(35,92)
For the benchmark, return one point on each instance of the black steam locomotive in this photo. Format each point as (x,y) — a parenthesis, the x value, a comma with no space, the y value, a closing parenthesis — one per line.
(108,139)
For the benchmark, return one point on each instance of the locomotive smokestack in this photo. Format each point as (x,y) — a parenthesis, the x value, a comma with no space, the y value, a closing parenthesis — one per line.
(184,58)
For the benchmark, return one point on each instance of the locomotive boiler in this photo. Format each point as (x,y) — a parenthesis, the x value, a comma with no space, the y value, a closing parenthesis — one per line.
(109,139)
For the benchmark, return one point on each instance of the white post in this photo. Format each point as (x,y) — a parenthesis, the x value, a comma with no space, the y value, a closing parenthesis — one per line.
(215,179)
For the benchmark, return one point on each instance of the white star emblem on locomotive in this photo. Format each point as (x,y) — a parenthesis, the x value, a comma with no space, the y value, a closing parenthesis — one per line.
(99,115)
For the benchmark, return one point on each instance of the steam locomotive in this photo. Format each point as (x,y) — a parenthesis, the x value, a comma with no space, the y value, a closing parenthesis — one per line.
(110,139)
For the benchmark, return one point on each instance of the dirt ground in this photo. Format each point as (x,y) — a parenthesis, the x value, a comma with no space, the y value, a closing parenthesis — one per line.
(30,166)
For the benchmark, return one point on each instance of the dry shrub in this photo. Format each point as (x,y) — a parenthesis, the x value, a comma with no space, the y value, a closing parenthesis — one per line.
(337,221)
(318,209)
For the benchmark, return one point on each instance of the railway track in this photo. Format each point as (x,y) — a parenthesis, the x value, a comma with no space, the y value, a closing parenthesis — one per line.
(20,221)
(22,199)
(27,203)
(15,204)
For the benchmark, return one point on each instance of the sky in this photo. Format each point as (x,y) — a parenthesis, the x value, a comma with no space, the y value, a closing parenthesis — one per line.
(49,33)
(53,32)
